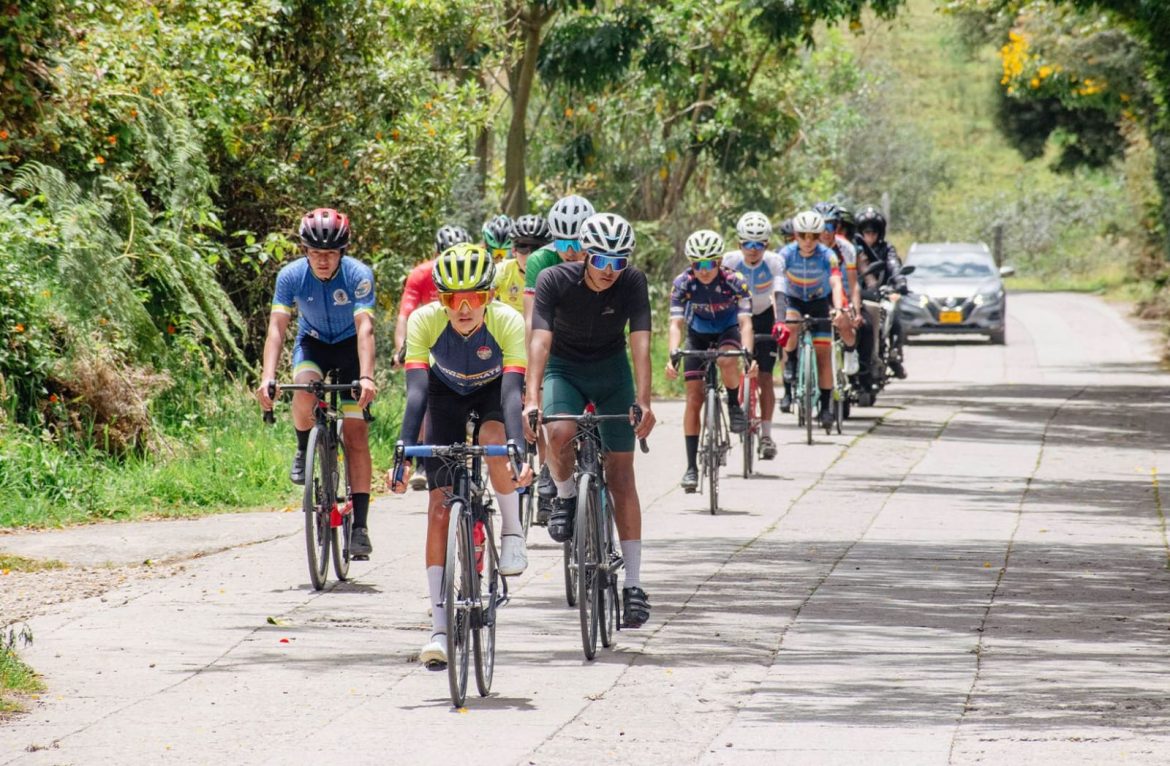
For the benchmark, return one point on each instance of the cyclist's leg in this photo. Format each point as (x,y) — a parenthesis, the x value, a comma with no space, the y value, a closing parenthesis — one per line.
(822,344)
(765,355)
(306,369)
(693,375)
(730,372)
(355,434)
(792,316)
(562,396)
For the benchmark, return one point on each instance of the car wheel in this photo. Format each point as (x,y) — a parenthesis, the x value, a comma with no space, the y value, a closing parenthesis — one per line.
(999,337)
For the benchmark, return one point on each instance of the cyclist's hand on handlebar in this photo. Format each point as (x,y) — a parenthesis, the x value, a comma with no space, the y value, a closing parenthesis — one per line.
(753,369)
(672,365)
(645,425)
(531,421)
(402,471)
(781,333)
(368,392)
(264,396)
(525,477)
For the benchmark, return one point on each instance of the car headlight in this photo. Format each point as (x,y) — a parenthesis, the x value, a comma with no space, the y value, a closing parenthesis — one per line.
(988,296)
(923,301)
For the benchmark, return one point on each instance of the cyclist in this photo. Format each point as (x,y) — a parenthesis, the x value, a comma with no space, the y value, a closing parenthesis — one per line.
(577,355)
(814,288)
(850,321)
(497,237)
(875,249)
(464,352)
(786,233)
(527,233)
(419,290)
(334,299)
(564,224)
(763,271)
(715,307)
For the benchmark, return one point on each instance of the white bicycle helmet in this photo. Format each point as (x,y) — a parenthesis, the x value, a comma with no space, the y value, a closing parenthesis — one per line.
(753,227)
(808,222)
(567,215)
(703,244)
(607,233)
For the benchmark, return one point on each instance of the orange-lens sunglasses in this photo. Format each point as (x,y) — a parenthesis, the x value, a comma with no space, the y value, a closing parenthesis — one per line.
(473,298)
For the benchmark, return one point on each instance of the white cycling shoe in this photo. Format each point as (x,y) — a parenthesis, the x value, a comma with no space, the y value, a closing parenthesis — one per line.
(513,556)
(434,654)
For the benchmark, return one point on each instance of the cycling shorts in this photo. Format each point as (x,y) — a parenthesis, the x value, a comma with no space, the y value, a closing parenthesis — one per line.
(317,357)
(700,341)
(447,412)
(766,351)
(817,309)
(609,384)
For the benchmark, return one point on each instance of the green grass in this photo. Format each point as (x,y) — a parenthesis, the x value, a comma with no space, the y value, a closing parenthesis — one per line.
(223,461)
(16,678)
(9,563)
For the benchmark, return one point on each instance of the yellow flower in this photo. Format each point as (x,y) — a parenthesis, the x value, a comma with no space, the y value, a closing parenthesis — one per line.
(1034,83)
(568,111)
(19,328)
(100,160)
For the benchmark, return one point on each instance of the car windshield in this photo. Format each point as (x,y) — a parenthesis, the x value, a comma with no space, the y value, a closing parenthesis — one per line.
(950,267)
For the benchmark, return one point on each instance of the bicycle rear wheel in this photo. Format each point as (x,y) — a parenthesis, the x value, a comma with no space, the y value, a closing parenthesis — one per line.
(711,447)
(528,495)
(809,371)
(610,605)
(317,503)
(569,557)
(587,542)
(344,534)
(485,631)
(747,392)
(458,585)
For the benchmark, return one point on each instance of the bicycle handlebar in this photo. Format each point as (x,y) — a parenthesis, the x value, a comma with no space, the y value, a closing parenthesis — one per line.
(588,418)
(455,452)
(320,388)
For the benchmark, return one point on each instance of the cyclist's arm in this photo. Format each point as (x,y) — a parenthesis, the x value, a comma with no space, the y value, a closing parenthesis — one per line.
(747,333)
(676,334)
(364,322)
(512,402)
(836,288)
(529,302)
(416,405)
(411,296)
(273,344)
(538,350)
(643,374)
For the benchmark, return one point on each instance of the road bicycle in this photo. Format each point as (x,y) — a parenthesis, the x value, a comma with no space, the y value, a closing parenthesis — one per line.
(715,436)
(527,495)
(327,510)
(749,400)
(842,387)
(592,555)
(473,588)
(806,389)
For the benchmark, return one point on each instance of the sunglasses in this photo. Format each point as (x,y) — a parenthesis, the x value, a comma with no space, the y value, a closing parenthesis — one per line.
(473,298)
(705,264)
(806,235)
(615,261)
(521,248)
(754,245)
(830,227)
(565,245)
(499,253)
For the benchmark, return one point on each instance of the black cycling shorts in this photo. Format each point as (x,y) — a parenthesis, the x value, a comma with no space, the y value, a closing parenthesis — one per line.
(701,341)
(447,413)
(765,350)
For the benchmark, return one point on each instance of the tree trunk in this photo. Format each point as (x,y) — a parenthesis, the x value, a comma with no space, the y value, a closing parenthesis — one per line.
(530,21)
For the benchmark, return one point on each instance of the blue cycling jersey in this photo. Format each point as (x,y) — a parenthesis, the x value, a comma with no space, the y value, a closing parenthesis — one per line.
(808,278)
(710,308)
(325,309)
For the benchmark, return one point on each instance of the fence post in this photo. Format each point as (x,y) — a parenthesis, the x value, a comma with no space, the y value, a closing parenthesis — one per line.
(997,244)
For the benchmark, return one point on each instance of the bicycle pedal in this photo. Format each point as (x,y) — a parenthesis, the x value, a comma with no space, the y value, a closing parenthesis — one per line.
(360,557)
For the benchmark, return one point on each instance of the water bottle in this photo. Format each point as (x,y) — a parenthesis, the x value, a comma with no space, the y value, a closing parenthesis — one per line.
(479,536)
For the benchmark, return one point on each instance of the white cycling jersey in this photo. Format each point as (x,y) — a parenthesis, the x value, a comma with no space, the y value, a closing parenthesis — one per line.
(764,280)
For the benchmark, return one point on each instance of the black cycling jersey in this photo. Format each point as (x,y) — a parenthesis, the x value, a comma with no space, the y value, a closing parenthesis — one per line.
(588,325)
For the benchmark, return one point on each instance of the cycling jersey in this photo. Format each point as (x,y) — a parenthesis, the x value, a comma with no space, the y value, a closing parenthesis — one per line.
(509,283)
(808,278)
(466,363)
(764,279)
(846,253)
(419,289)
(589,325)
(538,261)
(325,309)
(710,308)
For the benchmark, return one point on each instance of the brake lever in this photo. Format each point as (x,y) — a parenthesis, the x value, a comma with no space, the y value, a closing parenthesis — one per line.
(638,419)
(269,415)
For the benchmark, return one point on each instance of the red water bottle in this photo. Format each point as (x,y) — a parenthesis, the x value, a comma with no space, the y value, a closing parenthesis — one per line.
(479,536)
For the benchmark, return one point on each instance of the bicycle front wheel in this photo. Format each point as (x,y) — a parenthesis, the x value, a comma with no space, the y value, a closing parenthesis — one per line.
(711,448)
(747,389)
(809,371)
(528,495)
(485,631)
(343,535)
(587,541)
(317,503)
(569,559)
(458,585)
(610,605)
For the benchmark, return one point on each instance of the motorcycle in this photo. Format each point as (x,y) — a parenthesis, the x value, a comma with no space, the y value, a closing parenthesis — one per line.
(882,302)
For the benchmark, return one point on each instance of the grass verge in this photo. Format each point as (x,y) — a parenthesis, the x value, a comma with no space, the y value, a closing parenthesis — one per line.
(17,679)
(9,563)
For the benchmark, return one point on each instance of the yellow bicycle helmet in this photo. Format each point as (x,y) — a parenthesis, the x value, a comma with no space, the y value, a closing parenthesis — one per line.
(463,267)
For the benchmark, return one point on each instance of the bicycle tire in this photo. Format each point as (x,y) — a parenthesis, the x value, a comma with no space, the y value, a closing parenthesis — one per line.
(528,497)
(609,598)
(712,448)
(343,535)
(316,505)
(810,390)
(569,558)
(749,398)
(485,632)
(586,540)
(458,584)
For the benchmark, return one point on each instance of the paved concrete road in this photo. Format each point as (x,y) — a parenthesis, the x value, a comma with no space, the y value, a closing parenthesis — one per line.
(975,573)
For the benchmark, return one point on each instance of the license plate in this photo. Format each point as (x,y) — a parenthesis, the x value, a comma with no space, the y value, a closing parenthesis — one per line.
(950,317)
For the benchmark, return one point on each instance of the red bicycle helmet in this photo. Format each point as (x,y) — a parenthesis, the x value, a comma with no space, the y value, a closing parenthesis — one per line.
(325,229)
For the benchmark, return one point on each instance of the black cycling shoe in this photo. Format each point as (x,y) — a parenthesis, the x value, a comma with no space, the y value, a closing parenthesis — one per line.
(296,474)
(899,370)
(786,400)
(360,546)
(635,607)
(560,521)
(543,509)
(826,418)
(690,480)
(738,420)
(545,487)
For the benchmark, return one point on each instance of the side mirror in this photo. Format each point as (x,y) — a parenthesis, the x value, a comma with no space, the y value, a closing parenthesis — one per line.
(1006,271)
(908,270)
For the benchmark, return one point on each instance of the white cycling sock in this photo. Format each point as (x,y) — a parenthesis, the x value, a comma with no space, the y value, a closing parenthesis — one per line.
(566,488)
(632,555)
(510,513)
(766,426)
(438,613)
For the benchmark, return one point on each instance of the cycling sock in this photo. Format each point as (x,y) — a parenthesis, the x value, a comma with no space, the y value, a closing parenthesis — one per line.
(438,613)
(692,451)
(510,513)
(825,394)
(361,508)
(733,397)
(303,439)
(766,427)
(566,488)
(632,555)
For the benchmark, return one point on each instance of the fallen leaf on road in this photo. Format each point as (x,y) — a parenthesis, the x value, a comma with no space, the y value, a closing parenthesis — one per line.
(461,710)
(284,640)
(274,621)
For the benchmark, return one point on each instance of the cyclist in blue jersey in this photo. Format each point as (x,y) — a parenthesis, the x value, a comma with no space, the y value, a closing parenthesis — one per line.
(763,271)
(714,306)
(334,298)
(815,289)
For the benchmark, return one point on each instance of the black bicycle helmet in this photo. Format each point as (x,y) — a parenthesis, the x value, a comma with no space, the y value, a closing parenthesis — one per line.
(830,212)
(449,236)
(531,230)
(324,229)
(497,233)
(786,230)
(869,218)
